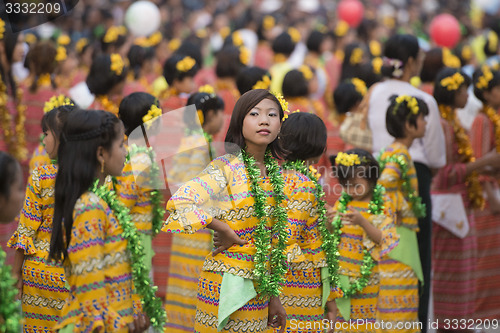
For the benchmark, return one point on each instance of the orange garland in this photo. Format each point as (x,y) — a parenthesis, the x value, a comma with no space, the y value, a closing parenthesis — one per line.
(495,119)
(474,188)
(108,105)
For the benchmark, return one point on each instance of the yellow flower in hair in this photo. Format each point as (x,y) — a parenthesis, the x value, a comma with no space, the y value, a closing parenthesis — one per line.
(347,159)
(61,54)
(449,59)
(112,35)
(467,53)
(484,80)
(201,117)
(356,56)
(80,45)
(377,65)
(237,40)
(244,55)
(294,34)
(2,28)
(141,41)
(63,40)
(117,64)
(207,89)
(285,117)
(174,44)
(307,72)
(452,82)
(282,100)
(411,103)
(153,112)
(492,41)
(265,83)
(341,29)
(155,39)
(201,33)
(185,64)
(359,85)
(28,38)
(375,48)
(55,102)
(269,22)
(224,32)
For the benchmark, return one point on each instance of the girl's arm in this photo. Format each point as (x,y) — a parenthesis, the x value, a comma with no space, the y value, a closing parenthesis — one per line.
(356,218)
(224,236)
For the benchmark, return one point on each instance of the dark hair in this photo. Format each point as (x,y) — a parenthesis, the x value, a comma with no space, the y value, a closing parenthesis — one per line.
(350,70)
(41,59)
(243,106)
(295,84)
(83,133)
(433,63)
(248,77)
(491,45)
(9,167)
(120,39)
(228,62)
(101,79)
(137,55)
(283,44)
(133,107)
(55,119)
(206,102)
(303,136)
(315,40)
(495,81)
(400,47)
(369,166)
(192,49)
(170,71)
(442,94)
(398,114)
(345,97)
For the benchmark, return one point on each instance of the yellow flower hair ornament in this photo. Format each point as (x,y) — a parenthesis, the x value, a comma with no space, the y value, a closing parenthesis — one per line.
(153,112)
(341,29)
(244,55)
(347,159)
(265,83)
(484,80)
(63,40)
(55,102)
(80,45)
(359,85)
(467,52)
(492,41)
(117,64)
(356,56)
(186,64)
(449,59)
(201,117)
(61,54)
(113,33)
(237,40)
(269,22)
(377,63)
(207,89)
(307,72)
(452,82)
(283,102)
(294,34)
(174,44)
(28,38)
(411,103)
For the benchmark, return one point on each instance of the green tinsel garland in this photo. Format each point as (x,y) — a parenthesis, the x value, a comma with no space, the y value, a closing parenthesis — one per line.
(418,207)
(152,305)
(10,308)
(268,284)
(155,195)
(375,207)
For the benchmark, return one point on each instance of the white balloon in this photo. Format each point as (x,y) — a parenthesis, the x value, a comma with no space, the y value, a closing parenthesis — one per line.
(143,18)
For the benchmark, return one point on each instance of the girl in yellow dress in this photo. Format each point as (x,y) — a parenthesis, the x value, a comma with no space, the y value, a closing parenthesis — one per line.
(189,250)
(92,233)
(11,201)
(41,283)
(401,270)
(240,195)
(364,231)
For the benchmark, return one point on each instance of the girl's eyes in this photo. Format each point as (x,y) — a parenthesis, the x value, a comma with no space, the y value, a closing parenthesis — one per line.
(253,113)
(273,114)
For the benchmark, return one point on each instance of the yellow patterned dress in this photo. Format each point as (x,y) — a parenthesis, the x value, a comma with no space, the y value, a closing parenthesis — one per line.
(44,290)
(302,294)
(39,158)
(97,270)
(222,191)
(359,313)
(188,250)
(401,269)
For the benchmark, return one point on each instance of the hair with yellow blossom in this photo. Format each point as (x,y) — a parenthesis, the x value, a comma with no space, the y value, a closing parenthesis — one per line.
(452,82)
(205,101)
(355,163)
(485,79)
(283,104)
(450,60)
(244,55)
(81,44)
(307,72)
(186,64)
(356,56)
(117,64)
(448,82)
(174,44)
(268,22)
(294,34)
(359,85)
(61,54)
(56,101)
(113,33)
(153,112)
(404,109)
(264,83)
(341,28)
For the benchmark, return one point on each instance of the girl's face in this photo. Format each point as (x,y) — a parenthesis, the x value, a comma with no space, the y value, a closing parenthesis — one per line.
(51,144)
(461,97)
(492,97)
(359,188)
(214,121)
(18,54)
(114,159)
(185,85)
(418,131)
(262,124)
(10,208)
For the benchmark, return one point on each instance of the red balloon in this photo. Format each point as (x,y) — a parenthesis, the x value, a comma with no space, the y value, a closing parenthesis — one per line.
(445,30)
(351,11)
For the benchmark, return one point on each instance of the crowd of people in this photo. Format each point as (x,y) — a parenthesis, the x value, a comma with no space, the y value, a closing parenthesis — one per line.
(250,167)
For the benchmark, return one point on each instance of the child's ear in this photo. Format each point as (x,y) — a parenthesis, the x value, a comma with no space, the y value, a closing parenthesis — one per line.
(100,154)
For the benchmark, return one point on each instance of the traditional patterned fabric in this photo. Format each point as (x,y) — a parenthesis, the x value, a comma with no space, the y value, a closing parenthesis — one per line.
(398,294)
(353,241)
(188,250)
(482,136)
(453,259)
(44,291)
(98,270)
(221,191)
(39,158)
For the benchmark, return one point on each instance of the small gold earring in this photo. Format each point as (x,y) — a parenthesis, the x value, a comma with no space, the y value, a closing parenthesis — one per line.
(102,166)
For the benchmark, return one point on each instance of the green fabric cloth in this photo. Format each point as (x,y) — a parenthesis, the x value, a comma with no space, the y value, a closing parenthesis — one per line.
(406,251)
(235,292)
(344,303)
(147,244)
(325,279)
(67,329)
